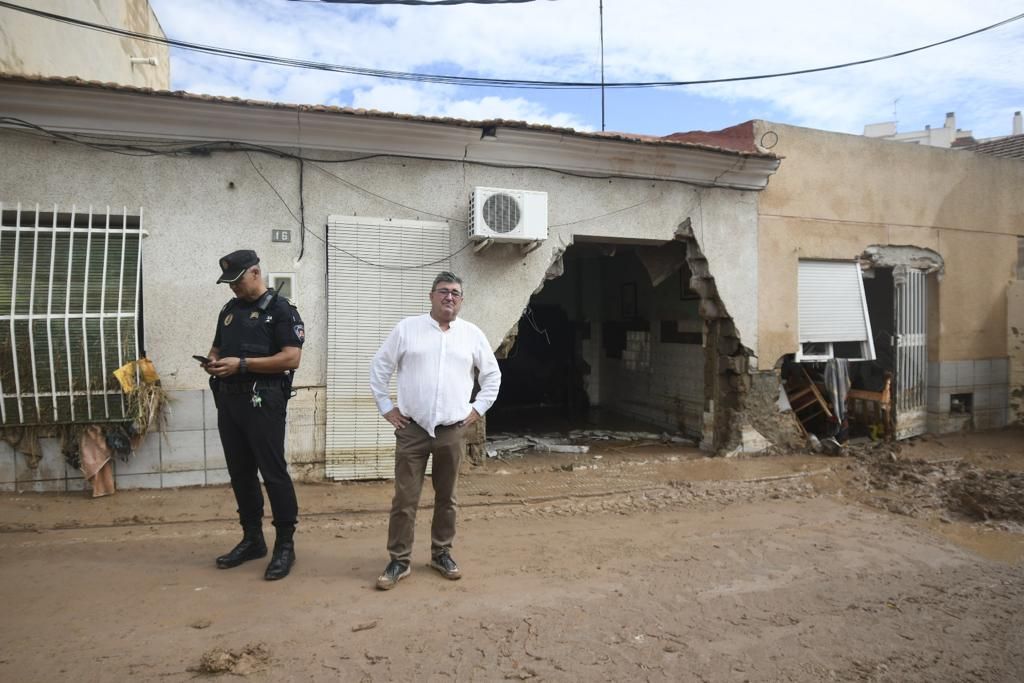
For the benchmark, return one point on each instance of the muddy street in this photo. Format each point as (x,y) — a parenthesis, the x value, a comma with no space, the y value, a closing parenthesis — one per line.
(643,563)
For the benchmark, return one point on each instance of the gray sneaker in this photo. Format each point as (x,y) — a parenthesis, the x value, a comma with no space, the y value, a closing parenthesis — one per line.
(393,573)
(444,564)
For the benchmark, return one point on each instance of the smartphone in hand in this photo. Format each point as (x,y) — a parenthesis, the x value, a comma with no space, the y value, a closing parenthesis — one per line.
(203,360)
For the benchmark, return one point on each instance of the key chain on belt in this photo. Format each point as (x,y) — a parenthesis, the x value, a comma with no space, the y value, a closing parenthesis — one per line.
(257,400)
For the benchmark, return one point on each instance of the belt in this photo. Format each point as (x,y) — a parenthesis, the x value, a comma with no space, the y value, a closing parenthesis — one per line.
(245,387)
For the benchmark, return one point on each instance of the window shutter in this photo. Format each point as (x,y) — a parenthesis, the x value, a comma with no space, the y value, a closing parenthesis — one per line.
(376,277)
(832,305)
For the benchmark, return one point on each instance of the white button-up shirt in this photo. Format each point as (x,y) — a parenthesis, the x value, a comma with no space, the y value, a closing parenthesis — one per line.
(435,371)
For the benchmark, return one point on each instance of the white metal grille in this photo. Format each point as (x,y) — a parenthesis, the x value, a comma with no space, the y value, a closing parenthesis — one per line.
(69,298)
(364,302)
(911,383)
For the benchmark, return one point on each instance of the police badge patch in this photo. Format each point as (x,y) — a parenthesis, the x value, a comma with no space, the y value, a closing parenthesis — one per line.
(228,318)
(300,332)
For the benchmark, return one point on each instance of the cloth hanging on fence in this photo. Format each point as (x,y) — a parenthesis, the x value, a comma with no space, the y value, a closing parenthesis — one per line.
(97,465)
(837,382)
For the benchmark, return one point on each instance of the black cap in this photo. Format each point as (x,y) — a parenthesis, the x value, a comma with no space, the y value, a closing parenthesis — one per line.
(236,263)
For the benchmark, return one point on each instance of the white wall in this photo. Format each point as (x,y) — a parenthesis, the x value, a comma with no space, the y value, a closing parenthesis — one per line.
(197,209)
(36,46)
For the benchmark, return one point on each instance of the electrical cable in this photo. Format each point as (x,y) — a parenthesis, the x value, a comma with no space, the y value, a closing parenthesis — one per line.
(470,81)
(209,147)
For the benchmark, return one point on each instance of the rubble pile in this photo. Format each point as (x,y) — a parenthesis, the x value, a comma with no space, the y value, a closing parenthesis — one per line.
(253,658)
(988,495)
(913,487)
(576,441)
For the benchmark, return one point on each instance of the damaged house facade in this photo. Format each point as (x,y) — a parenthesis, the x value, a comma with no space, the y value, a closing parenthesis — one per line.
(667,281)
(589,261)
(907,261)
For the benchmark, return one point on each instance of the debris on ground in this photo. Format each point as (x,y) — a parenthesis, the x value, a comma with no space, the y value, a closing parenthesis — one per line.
(576,442)
(253,658)
(913,487)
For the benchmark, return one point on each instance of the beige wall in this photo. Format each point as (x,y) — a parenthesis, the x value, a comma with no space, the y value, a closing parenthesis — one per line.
(836,194)
(37,46)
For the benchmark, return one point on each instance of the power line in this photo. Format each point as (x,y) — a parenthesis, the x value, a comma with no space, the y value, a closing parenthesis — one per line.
(470,81)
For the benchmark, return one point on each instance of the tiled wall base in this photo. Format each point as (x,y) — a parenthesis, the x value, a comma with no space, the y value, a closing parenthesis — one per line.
(188,453)
(986,381)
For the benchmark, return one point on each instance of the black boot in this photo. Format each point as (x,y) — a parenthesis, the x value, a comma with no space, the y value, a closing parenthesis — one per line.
(251,547)
(284,555)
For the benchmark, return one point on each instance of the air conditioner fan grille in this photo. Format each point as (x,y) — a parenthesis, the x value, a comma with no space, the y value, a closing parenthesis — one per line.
(501,213)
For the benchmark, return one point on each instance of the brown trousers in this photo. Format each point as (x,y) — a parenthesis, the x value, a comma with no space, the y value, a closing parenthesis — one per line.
(413,447)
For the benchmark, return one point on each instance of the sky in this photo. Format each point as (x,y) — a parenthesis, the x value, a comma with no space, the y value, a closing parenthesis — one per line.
(980,77)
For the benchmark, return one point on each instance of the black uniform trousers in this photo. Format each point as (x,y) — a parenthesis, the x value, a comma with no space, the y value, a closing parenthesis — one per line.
(253,440)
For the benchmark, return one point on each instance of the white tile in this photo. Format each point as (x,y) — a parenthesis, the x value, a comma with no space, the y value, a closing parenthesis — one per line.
(76,484)
(7,469)
(50,467)
(965,373)
(137,481)
(947,374)
(42,485)
(190,478)
(942,406)
(214,477)
(982,398)
(183,451)
(214,450)
(933,398)
(982,372)
(1000,396)
(933,374)
(145,460)
(209,410)
(8,487)
(186,411)
(1000,370)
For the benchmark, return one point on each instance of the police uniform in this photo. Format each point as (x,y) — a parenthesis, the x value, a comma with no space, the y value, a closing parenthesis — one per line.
(251,411)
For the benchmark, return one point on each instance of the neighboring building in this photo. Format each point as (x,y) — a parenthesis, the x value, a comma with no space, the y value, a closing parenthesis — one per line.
(937,234)
(946,136)
(624,315)
(60,49)
(1008,147)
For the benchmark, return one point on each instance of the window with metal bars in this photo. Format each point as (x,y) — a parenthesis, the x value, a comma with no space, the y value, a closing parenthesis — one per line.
(70,313)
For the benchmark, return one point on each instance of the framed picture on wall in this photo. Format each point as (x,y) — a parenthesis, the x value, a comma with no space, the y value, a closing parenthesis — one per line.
(628,300)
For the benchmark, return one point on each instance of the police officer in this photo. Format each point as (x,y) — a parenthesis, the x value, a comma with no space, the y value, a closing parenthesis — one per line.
(257,347)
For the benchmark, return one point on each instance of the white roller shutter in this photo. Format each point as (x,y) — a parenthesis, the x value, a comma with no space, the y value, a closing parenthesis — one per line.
(832,304)
(376,277)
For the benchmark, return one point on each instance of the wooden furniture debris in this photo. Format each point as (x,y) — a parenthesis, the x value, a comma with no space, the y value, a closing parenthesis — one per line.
(873,407)
(805,399)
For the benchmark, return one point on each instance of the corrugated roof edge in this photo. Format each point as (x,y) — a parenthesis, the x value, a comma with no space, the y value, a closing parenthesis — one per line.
(675,140)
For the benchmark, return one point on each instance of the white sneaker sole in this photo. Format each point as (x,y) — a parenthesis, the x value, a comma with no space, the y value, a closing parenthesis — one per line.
(386,584)
(451,576)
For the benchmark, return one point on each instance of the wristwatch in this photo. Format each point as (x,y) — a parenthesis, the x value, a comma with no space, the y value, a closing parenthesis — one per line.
(243,367)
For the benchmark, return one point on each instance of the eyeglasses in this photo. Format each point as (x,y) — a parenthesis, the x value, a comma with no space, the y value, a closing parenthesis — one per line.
(445,293)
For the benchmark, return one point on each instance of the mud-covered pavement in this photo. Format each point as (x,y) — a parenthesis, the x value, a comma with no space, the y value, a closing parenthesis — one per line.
(629,563)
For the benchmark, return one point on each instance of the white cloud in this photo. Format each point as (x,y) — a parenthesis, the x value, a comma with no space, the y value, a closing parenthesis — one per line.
(443,101)
(644,40)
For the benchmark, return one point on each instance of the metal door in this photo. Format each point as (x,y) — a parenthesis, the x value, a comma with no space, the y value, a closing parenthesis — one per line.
(911,344)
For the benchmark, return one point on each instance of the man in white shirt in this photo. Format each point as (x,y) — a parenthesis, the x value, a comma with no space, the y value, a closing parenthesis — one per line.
(435,355)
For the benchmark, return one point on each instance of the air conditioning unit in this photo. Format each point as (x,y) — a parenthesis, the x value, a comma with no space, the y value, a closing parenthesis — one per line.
(508,215)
